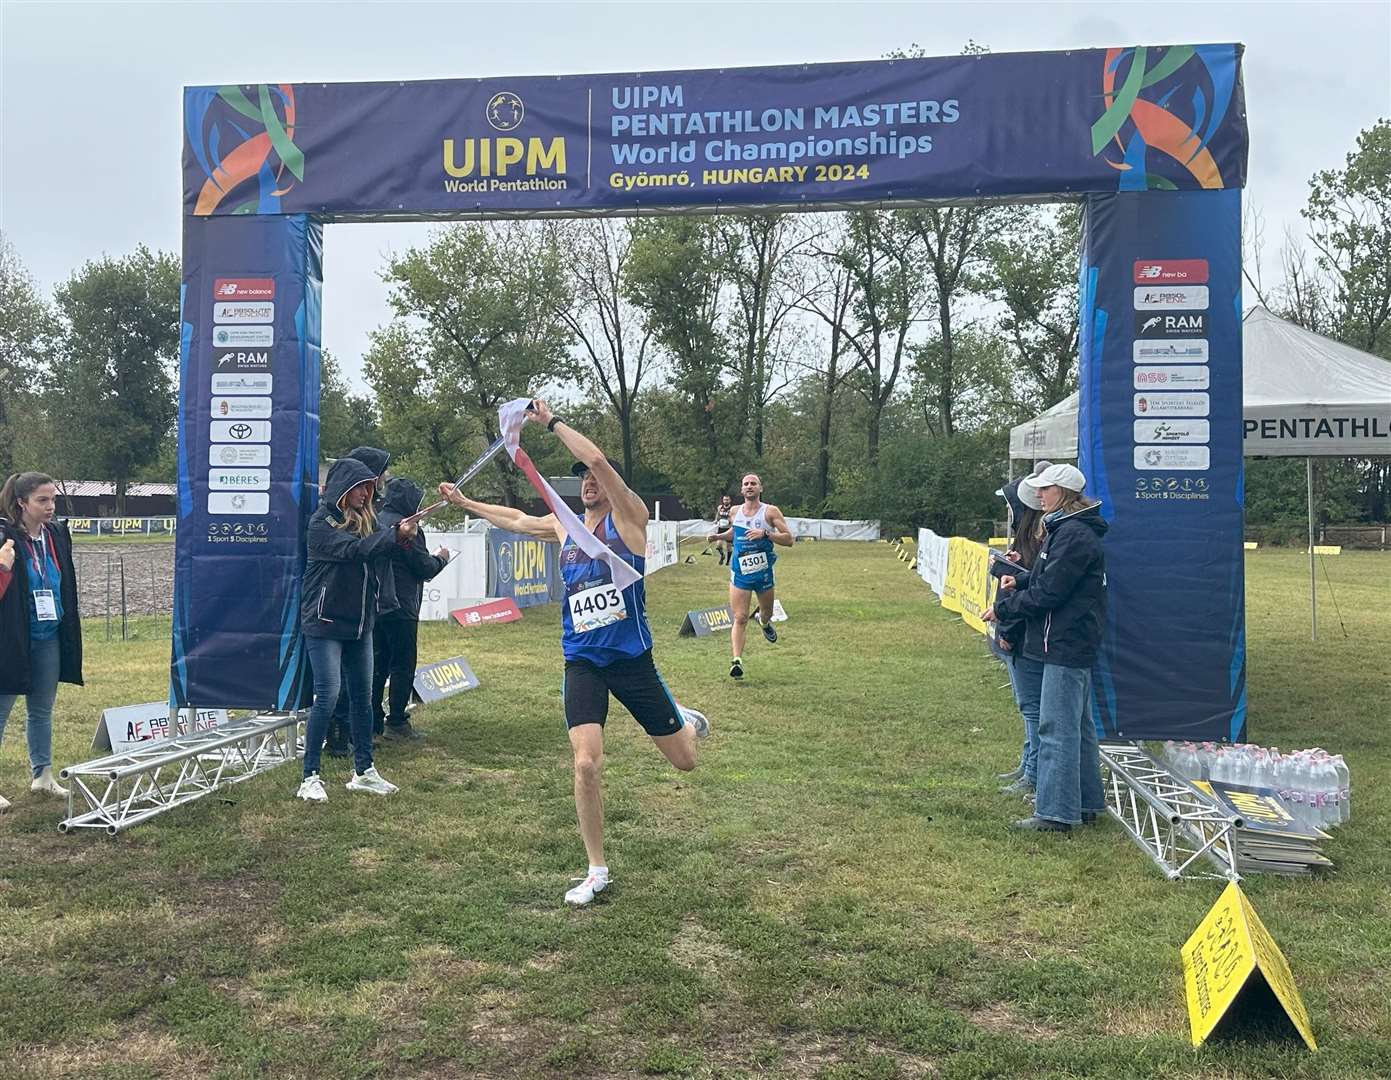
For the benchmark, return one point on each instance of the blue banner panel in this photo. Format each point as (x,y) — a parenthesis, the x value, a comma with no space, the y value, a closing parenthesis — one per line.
(1033,124)
(1160,430)
(248,459)
(523,569)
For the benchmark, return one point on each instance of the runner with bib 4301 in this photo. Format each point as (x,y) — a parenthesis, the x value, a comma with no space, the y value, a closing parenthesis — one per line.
(754,528)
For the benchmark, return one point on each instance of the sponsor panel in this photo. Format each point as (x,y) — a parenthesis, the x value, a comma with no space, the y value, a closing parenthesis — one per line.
(223,479)
(1149,458)
(242,431)
(1170,351)
(242,383)
(1171,431)
(241,408)
(239,455)
(240,503)
(244,311)
(243,337)
(1161,404)
(225,360)
(1172,378)
(254,288)
(1171,297)
(1163,271)
(1181,324)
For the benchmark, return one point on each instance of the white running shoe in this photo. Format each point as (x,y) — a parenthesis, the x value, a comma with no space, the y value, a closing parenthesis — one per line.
(312,789)
(371,782)
(4,804)
(584,892)
(46,785)
(697,720)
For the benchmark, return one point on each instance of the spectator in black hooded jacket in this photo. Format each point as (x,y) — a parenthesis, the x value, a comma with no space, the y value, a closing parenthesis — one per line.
(338,606)
(394,639)
(339,741)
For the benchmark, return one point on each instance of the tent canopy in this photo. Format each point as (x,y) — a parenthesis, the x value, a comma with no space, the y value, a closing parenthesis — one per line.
(1303,394)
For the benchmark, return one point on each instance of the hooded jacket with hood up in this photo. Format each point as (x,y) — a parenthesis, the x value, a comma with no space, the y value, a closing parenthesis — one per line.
(339,598)
(410,573)
(1064,601)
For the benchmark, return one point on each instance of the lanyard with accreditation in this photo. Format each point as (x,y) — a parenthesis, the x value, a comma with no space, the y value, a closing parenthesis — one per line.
(45,604)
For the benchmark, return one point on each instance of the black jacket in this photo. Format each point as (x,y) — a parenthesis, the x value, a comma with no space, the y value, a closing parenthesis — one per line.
(14,612)
(419,566)
(1011,631)
(340,582)
(1064,602)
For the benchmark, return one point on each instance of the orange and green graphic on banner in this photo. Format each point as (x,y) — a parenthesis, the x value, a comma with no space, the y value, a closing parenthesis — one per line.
(237,159)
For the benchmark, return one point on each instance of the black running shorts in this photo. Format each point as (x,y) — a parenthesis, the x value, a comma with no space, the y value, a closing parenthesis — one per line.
(634,682)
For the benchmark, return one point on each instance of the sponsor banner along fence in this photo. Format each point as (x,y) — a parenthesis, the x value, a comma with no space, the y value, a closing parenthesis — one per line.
(959,572)
(155,526)
(802,529)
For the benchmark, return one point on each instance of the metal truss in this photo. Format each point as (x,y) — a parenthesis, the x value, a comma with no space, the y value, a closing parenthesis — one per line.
(125,789)
(1185,833)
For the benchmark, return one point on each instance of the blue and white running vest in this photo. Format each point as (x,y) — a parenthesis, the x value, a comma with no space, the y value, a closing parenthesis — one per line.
(752,559)
(601,624)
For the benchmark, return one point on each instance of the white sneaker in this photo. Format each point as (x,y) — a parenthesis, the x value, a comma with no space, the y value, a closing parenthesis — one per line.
(312,789)
(371,782)
(46,785)
(4,804)
(584,892)
(697,720)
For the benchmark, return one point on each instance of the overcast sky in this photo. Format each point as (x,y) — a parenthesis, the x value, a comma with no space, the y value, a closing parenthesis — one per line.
(90,131)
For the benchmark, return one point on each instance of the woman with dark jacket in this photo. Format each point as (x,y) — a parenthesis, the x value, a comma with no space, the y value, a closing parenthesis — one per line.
(40,631)
(337,608)
(398,620)
(1064,607)
(1025,675)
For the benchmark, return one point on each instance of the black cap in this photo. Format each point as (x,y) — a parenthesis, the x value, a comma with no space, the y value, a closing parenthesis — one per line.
(579,468)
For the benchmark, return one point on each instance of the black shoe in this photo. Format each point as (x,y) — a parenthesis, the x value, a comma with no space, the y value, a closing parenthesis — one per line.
(402,730)
(337,749)
(1089,817)
(736,668)
(1039,824)
(769,634)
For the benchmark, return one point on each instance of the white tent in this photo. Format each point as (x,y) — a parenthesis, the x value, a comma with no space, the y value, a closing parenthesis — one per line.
(1303,395)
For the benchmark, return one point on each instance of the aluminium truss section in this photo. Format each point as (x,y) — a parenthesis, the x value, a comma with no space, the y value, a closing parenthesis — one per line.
(124,789)
(1185,833)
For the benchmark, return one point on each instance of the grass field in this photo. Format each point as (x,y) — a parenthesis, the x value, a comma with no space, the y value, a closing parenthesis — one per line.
(833,893)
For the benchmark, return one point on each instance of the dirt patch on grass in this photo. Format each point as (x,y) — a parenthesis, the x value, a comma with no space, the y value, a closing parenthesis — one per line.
(697,949)
(999,1019)
(153,1054)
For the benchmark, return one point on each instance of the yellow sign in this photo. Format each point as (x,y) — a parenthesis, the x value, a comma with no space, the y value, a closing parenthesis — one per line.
(999,542)
(1328,549)
(1251,545)
(1231,945)
(969,589)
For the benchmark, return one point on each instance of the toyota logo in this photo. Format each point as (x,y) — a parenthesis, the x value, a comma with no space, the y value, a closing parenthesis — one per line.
(240,431)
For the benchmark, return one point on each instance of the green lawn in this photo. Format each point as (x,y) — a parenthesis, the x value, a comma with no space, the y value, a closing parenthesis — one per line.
(833,893)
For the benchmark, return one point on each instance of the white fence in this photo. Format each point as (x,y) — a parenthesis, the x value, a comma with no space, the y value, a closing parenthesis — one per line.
(802,529)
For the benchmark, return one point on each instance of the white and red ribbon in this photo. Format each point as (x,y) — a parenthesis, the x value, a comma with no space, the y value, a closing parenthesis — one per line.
(510,417)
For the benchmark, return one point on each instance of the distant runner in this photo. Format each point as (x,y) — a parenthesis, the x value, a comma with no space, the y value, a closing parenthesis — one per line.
(754,528)
(722,513)
(604,635)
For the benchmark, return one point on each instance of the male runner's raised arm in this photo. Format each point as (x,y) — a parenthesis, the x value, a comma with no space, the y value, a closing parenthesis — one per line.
(630,513)
(507,517)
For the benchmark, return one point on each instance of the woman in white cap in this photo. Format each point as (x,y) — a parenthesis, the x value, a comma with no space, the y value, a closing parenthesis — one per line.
(1064,608)
(1025,675)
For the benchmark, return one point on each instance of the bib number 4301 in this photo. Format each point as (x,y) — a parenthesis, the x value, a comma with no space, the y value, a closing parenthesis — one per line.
(754,563)
(600,605)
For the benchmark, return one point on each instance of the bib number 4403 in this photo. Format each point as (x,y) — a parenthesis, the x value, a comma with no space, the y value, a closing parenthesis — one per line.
(600,605)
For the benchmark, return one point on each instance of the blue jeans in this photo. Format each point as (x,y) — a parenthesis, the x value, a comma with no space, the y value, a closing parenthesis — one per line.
(346,664)
(1069,766)
(1026,676)
(44,657)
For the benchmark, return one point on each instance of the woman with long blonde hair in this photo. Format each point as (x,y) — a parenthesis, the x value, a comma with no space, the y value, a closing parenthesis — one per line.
(337,609)
(40,632)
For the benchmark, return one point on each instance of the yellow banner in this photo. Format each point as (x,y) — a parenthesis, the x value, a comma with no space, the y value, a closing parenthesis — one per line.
(969,589)
(1229,946)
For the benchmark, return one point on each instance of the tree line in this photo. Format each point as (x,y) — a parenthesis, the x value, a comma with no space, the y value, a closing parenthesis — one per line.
(867,364)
